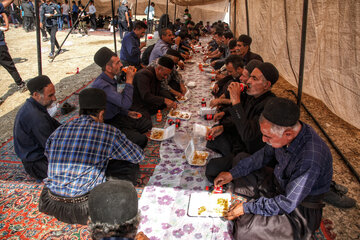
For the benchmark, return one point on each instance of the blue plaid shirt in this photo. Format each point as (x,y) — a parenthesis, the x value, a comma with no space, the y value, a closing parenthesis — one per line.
(78,154)
(303,168)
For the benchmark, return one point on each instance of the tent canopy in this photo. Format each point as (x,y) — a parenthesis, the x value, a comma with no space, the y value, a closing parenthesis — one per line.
(332,54)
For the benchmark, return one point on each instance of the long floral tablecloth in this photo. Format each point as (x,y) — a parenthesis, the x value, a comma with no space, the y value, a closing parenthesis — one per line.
(164,201)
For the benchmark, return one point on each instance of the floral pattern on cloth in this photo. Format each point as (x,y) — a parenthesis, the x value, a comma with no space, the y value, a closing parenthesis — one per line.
(164,201)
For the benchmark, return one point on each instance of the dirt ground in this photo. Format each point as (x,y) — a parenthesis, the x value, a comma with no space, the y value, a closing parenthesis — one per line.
(79,53)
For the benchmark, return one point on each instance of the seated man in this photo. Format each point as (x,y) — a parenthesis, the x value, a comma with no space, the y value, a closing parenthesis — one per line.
(244,42)
(234,67)
(113,211)
(131,123)
(174,83)
(149,96)
(33,125)
(131,47)
(163,44)
(82,154)
(286,203)
(239,132)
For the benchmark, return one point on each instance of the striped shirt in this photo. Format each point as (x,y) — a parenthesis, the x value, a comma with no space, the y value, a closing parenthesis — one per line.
(303,168)
(78,153)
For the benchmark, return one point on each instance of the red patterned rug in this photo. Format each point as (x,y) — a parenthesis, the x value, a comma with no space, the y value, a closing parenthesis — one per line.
(19,194)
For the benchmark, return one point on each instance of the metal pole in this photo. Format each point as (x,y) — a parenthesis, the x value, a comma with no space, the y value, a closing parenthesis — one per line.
(38,42)
(135,9)
(302,51)
(147,21)
(73,26)
(167,9)
(235,17)
(113,17)
(175,13)
(247,17)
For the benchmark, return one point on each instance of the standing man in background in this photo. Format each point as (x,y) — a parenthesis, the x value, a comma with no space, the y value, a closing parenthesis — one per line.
(65,12)
(150,23)
(48,17)
(74,13)
(124,23)
(5,58)
(92,11)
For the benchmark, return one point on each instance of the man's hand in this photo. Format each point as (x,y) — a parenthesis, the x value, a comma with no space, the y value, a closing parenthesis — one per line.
(235,91)
(41,25)
(141,236)
(215,132)
(134,115)
(215,102)
(235,211)
(143,44)
(218,116)
(205,58)
(213,63)
(181,65)
(223,178)
(170,103)
(215,88)
(130,73)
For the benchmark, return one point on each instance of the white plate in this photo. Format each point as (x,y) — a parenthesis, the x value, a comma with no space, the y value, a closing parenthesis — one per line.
(173,114)
(191,84)
(167,133)
(209,203)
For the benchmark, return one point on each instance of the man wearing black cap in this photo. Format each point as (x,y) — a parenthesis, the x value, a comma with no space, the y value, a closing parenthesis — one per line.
(33,125)
(238,133)
(244,43)
(149,97)
(113,211)
(174,83)
(286,201)
(131,123)
(82,154)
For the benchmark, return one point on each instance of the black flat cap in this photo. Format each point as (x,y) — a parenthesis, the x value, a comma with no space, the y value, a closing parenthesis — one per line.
(92,98)
(252,64)
(36,84)
(113,202)
(282,112)
(247,40)
(166,62)
(103,56)
(269,71)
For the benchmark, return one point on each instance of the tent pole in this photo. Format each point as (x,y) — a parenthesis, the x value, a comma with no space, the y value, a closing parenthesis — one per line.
(38,42)
(135,9)
(147,20)
(234,12)
(167,10)
(175,13)
(302,51)
(113,17)
(247,17)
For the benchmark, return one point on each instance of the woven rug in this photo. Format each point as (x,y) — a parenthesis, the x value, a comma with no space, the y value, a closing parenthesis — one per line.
(19,193)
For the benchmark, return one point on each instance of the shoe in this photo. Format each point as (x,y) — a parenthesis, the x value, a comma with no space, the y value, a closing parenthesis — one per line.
(339,200)
(45,39)
(1,101)
(22,87)
(51,55)
(337,187)
(91,30)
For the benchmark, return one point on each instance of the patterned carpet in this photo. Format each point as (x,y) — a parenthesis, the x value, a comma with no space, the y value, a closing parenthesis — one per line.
(19,194)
